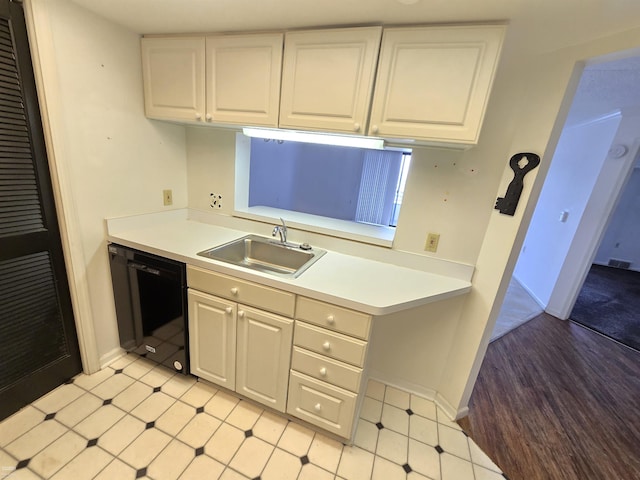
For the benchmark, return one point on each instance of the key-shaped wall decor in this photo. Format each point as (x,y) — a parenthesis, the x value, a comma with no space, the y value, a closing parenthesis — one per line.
(509,202)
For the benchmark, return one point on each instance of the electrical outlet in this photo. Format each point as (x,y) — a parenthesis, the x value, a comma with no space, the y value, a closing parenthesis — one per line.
(215,200)
(431,245)
(167,196)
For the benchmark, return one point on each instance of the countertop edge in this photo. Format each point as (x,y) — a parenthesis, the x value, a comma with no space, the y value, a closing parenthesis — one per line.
(457,287)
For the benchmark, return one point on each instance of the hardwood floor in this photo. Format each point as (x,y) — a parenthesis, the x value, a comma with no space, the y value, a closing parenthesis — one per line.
(557,401)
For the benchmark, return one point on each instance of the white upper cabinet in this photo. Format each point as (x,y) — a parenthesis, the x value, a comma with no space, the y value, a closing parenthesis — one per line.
(327,79)
(223,79)
(173,71)
(243,79)
(433,83)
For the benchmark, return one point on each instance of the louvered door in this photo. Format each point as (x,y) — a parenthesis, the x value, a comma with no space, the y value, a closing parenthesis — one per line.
(38,342)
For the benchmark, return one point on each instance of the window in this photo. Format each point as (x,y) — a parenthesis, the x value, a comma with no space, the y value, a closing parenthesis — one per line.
(319,182)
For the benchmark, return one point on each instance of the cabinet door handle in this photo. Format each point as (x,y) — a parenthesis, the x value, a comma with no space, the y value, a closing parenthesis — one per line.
(208,116)
(234,291)
(241,313)
(326,346)
(228,310)
(198,116)
(323,372)
(317,407)
(356,127)
(374,129)
(331,320)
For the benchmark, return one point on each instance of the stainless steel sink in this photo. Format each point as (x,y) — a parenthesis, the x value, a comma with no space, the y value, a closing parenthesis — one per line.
(265,255)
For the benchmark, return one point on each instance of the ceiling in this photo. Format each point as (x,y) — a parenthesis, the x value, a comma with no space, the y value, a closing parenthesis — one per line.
(541,25)
(606,87)
(535,26)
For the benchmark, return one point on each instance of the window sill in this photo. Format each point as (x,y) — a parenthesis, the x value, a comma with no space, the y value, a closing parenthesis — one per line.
(359,232)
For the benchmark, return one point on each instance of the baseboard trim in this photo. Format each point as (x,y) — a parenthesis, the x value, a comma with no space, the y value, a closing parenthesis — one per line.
(533,295)
(556,313)
(111,356)
(449,410)
(405,385)
(421,391)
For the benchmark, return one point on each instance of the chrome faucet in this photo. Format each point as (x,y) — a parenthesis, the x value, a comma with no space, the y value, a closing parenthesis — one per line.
(282,230)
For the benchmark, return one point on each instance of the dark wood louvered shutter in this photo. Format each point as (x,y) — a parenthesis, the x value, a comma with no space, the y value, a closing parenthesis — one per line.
(19,198)
(38,342)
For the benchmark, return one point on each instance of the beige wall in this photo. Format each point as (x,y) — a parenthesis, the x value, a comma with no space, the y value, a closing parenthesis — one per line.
(110,159)
(453,193)
(553,80)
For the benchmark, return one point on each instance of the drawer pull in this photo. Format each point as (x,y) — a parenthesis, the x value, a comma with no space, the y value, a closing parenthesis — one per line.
(317,407)
(228,310)
(241,314)
(234,291)
(331,320)
(326,346)
(323,372)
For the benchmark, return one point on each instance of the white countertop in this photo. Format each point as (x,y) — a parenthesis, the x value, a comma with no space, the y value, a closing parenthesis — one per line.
(369,286)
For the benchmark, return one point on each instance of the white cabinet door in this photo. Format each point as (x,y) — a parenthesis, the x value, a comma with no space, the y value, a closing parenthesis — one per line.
(264,353)
(243,79)
(327,78)
(433,83)
(173,71)
(212,338)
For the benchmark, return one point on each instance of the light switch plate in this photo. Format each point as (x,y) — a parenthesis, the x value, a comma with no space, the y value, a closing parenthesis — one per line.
(431,245)
(167,196)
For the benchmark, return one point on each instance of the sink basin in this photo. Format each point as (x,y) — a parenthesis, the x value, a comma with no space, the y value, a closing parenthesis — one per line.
(265,255)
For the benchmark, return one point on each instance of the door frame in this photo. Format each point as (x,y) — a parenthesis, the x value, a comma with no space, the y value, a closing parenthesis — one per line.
(41,39)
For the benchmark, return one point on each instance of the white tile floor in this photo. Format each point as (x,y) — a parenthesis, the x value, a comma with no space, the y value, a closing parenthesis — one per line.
(137,420)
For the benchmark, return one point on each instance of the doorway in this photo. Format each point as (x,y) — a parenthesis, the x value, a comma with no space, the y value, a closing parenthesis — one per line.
(600,143)
(39,348)
(609,300)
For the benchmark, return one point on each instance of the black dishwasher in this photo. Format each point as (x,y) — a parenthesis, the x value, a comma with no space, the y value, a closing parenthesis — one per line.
(150,296)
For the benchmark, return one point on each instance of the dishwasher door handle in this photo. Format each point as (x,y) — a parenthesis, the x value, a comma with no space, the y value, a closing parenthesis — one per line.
(139,266)
(151,270)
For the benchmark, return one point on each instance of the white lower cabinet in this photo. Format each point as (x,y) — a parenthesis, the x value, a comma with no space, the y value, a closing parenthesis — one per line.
(212,338)
(263,352)
(310,366)
(329,355)
(236,346)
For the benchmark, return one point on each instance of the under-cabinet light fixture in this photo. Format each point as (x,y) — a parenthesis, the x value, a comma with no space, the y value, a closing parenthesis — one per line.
(321,138)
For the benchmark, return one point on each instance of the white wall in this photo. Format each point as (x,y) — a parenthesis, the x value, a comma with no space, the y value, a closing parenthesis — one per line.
(593,224)
(453,193)
(576,165)
(109,158)
(448,192)
(552,79)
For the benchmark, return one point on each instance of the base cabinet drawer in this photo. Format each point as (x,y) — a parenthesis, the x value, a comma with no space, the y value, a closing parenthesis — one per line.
(326,369)
(335,318)
(331,344)
(241,291)
(321,404)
